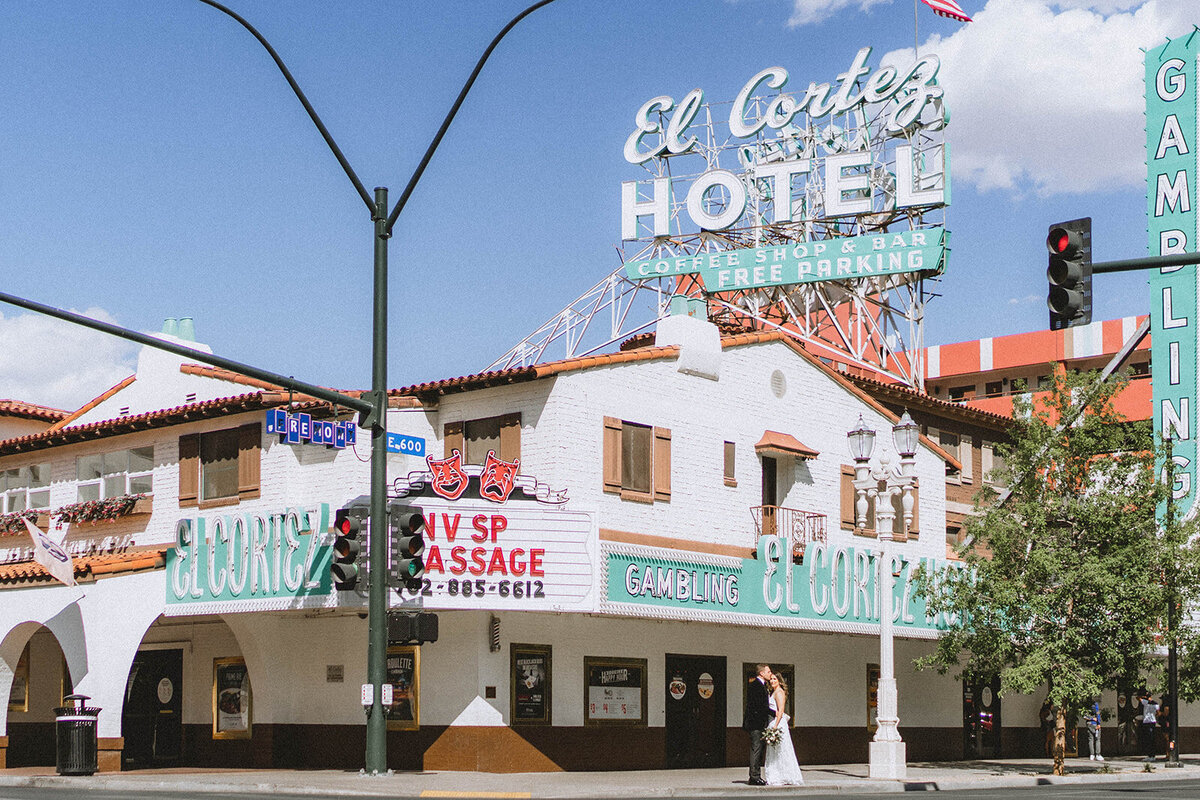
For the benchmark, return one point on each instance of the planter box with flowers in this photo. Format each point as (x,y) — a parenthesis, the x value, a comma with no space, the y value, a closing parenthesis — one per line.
(13,525)
(108,510)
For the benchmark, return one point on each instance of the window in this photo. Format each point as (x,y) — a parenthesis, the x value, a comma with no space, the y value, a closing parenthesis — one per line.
(22,488)
(960,394)
(993,389)
(850,497)
(474,438)
(104,475)
(991,461)
(730,453)
(637,460)
(220,467)
(951,443)
(1044,382)
(1140,368)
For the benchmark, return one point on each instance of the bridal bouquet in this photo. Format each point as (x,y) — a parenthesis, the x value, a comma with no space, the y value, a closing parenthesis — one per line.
(773,736)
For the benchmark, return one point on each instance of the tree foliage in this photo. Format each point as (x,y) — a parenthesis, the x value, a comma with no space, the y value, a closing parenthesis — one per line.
(1063,585)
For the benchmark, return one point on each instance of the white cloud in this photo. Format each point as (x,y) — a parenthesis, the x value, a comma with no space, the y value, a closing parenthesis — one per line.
(1048,97)
(807,12)
(54,363)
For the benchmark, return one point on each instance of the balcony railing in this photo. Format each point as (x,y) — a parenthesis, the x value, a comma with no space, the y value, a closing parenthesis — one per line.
(799,527)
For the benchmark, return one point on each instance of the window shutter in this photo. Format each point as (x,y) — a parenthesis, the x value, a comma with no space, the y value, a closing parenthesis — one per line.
(662,463)
(612,454)
(966,457)
(847,497)
(510,437)
(915,528)
(452,439)
(189,469)
(249,461)
(987,464)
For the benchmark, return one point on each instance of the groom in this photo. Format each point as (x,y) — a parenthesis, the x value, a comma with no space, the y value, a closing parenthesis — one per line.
(755,719)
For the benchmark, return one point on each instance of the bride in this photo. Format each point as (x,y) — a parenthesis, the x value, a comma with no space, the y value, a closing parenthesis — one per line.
(781,768)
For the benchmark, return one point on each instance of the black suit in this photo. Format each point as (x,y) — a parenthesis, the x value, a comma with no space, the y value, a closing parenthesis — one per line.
(755,719)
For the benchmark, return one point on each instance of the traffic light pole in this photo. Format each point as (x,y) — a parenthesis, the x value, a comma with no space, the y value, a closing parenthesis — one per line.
(1150,262)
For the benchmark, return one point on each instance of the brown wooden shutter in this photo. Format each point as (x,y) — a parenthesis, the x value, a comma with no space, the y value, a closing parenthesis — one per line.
(847,497)
(662,463)
(611,454)
(510,437)
(189,469)
(452,439)
(249,461)
(915,528)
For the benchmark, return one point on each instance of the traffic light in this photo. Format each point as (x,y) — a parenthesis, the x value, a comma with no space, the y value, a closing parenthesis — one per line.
(350,559)
(1070,273)
(405,526)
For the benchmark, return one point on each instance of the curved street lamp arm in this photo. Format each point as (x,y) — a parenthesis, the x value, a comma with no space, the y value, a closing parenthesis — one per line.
(416,176)
(362,191)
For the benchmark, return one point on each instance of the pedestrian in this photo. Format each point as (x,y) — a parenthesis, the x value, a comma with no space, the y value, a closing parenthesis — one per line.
(1149,712)
(1164,728)
(1046,717)
(755,718)
(1092,718)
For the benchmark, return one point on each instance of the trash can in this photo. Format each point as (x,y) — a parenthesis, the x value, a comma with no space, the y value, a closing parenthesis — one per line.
(75,736)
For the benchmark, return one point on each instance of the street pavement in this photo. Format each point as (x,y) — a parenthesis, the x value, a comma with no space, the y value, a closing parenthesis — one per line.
(727,781)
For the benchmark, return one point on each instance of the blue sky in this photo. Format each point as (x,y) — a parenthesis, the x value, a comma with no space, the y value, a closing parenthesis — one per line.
(154,163)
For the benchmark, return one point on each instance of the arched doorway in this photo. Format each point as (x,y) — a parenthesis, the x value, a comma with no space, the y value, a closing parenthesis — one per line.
(182,704)
(39,681)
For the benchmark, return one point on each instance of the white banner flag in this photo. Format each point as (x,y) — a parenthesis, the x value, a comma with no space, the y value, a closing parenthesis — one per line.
(51,555)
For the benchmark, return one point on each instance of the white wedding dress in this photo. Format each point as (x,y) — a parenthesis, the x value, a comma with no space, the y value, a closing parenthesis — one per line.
(781,767)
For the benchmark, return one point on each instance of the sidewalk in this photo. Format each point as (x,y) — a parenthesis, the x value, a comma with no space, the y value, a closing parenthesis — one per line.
(849,778)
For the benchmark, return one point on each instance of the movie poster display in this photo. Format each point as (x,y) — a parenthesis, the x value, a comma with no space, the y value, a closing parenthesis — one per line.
(530,678)
(616,691)
(231,699)
(404,674)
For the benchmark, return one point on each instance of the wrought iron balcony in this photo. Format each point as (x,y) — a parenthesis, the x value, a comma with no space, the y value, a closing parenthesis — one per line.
(799,527)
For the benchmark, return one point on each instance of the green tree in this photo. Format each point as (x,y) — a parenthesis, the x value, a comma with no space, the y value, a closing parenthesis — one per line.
(1063,583)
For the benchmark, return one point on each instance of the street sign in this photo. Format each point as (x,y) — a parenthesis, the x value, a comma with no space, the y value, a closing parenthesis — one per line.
(409,445)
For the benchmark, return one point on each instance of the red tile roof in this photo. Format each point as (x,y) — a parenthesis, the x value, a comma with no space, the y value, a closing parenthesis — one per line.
(17,408)
(87,568)
(784,443)
(95,401)
(898,393)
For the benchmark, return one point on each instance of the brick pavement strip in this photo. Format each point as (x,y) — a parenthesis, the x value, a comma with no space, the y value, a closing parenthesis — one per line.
(847,778)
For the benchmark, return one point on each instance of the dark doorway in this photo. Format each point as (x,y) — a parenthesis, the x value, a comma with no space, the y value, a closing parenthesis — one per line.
(695,711)
(981,718)
(1128,723)
(151,721)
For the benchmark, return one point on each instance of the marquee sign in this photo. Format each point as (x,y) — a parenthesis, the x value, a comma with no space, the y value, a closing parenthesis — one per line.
(1172,135)
(497,540)
(829,163)
(835,588)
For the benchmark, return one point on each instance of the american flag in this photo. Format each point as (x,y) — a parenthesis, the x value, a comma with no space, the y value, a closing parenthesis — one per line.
(947,8)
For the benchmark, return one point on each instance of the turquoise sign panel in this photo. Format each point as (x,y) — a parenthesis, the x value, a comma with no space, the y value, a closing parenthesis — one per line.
(833,584)
(250,557)
(1171,139)
(849,258)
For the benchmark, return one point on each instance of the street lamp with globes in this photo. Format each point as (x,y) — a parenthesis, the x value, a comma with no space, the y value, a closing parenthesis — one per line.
(882,485)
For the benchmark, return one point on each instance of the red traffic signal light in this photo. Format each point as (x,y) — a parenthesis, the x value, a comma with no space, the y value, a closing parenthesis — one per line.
(349,552)
(1069,273)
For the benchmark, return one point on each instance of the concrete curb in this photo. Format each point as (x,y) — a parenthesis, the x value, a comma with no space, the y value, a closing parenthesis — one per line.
(565,786)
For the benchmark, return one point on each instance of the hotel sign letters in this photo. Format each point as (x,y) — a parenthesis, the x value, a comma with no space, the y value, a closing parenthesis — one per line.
(1171,140)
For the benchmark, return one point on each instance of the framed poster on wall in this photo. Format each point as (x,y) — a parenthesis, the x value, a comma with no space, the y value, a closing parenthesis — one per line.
(404,674)
(785,671)
(231,699)
(616,691)
(872,697)
(18,698)
(530,680)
